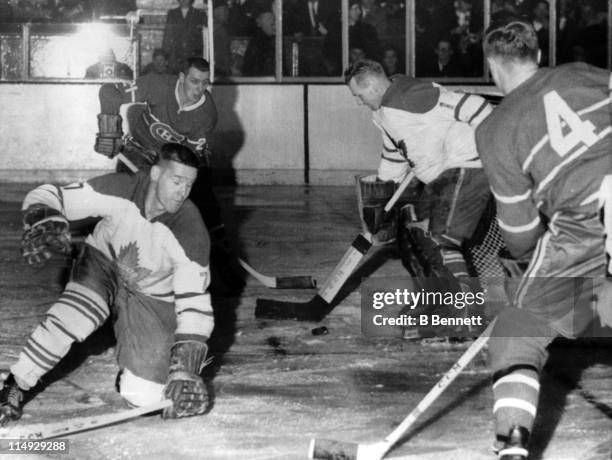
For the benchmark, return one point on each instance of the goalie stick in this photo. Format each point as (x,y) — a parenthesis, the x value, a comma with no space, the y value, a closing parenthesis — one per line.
(316,308)
(274,282)
(54,430)
(325,449)
(279,282)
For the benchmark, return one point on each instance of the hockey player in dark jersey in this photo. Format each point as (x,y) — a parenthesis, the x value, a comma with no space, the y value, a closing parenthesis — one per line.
(545,150)
(145,264)
(429,130)
(174,109)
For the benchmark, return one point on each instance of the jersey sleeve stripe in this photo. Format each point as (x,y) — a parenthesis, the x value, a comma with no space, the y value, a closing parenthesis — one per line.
(536,148)
(195,310)
(162,294)
(519,228)
(190,338)
(591,198)
(188,295)
(459,105)
(597,105)
(511,199)
(393,160)
(478,111)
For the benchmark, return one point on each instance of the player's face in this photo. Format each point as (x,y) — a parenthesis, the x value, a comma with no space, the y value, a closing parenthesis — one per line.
(174,183)
(194,84)
(365,94)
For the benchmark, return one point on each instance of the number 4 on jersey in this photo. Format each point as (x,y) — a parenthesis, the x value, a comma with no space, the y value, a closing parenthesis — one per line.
(559,116)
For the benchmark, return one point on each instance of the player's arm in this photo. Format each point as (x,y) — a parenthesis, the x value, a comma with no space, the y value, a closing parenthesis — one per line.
(464,107)
(194,316)
(517,214)
(394,165)
(109,138)
(198,140)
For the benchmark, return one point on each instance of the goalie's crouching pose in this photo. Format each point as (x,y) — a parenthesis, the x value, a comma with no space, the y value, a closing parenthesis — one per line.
(145,264)
(429,130)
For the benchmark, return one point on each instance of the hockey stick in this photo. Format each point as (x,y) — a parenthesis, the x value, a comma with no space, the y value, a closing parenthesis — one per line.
(325,449)
(316,308)
(53,430)
(279,282)
(274,282)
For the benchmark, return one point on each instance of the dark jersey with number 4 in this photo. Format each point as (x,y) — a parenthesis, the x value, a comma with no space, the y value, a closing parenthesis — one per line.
(546,149)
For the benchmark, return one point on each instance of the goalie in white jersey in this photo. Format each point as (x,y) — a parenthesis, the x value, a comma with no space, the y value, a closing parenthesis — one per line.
(429,130)
(146,264)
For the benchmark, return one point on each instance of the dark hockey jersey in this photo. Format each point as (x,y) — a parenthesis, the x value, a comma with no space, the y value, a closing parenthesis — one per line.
(546,149)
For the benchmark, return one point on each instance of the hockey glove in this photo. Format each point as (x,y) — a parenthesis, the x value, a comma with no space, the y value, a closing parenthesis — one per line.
(45,230)
(11,400)
(109,139)
(185,388)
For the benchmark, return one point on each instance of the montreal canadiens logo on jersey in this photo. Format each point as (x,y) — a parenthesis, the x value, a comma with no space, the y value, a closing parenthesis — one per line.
(163,133)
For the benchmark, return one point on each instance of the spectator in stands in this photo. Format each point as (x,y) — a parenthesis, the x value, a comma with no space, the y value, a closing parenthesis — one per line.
(391,61)
(312,18)
(222,41)
(6,11)
(159,64)
(396,17)
(108,67)
(356,54)
(238,23)
(468,56)
(440,62)
(362,35)
(314,25)
(592,35)
(540,24)
(259,57)
(374,15)
(183,34)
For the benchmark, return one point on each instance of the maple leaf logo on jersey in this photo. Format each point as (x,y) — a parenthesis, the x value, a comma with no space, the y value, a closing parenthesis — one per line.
(127,265)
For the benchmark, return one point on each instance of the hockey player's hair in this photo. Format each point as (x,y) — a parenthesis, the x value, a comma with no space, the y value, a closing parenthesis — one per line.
(198,63)
(180,154)
(511,38)
(362,68)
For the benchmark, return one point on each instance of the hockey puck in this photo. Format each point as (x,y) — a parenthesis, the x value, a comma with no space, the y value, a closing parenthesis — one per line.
(320,331)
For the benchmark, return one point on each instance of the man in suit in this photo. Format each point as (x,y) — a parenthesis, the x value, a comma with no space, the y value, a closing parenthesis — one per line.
(183,34)
(441,62)
(375,15)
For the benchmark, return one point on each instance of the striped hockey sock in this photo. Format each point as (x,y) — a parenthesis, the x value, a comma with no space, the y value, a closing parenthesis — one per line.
(516,398)
(76,314)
